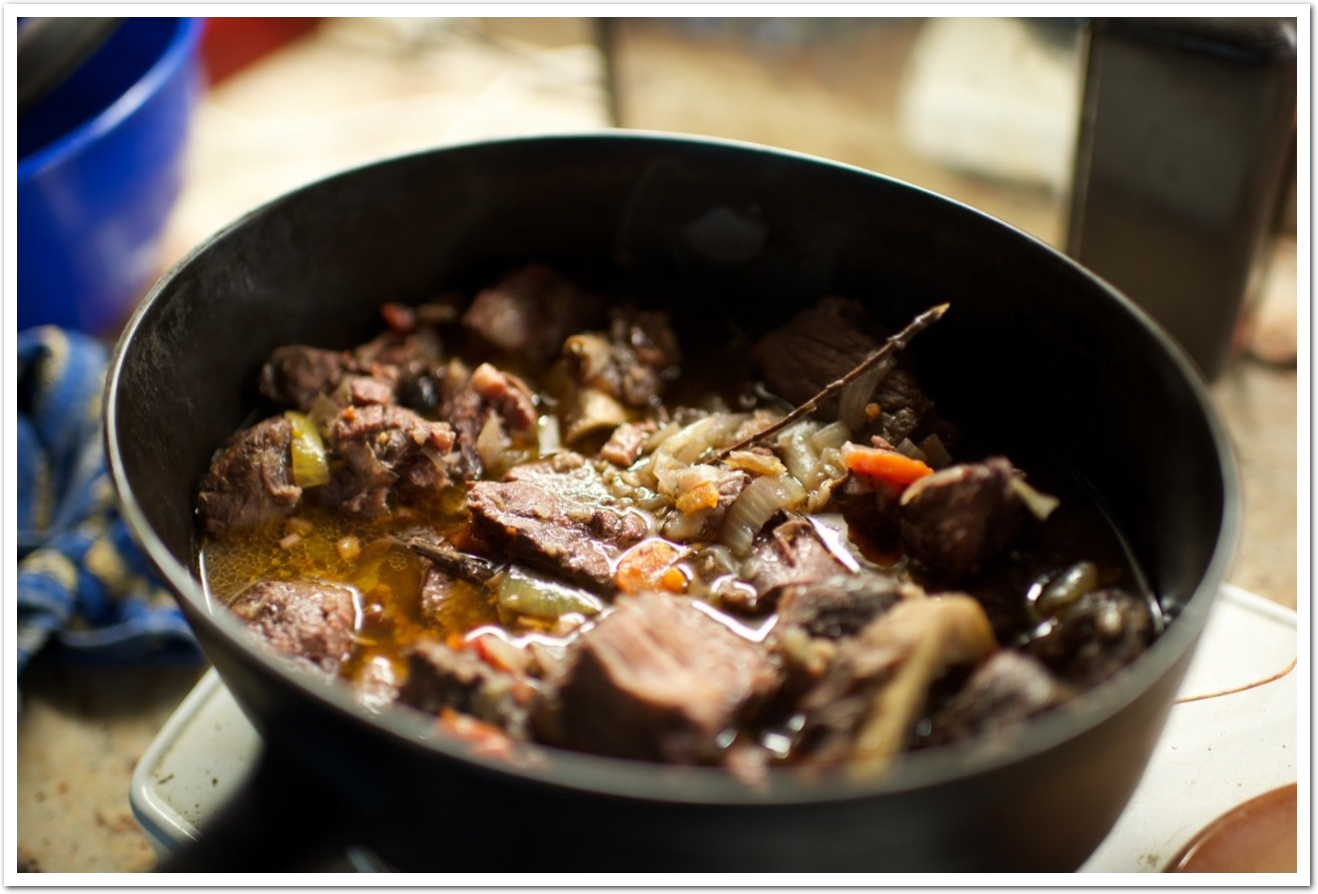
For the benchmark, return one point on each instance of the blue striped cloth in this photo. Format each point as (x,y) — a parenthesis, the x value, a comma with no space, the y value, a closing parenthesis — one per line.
(86,592)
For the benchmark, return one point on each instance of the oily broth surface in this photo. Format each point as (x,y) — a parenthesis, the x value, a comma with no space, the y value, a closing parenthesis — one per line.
(385,574)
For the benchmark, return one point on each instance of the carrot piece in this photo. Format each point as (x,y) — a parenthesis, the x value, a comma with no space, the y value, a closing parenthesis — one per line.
(885,465)
(646,566)
(673,580)
(704,495)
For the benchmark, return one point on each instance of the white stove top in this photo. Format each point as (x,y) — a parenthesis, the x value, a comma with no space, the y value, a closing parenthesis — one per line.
(1214,754)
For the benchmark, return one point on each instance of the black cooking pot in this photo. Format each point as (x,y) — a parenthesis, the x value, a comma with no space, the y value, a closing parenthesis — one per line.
(723,229)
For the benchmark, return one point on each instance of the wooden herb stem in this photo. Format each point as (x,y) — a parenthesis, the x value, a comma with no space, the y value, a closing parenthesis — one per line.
(891,346)
(459,564)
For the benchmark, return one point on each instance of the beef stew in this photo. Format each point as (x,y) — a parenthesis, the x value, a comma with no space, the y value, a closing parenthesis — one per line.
(560,524)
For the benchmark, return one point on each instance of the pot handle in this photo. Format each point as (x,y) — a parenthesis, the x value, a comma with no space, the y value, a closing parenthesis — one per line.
(281,819)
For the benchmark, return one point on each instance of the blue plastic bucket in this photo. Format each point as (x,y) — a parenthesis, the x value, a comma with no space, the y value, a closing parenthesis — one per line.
(99,169)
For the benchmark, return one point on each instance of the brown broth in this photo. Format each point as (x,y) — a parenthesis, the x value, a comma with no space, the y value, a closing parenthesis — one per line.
(386,574)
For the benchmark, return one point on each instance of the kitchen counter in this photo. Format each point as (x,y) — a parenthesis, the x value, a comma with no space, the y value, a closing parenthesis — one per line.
(362,90)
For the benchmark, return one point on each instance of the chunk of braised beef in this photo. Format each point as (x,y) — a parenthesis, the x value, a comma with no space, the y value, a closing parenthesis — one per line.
(364,390)
(353,389)
(461,406)
(385,451)
(295,375)
(1000,587)
(624,446)
(398,352)
(792,553)
(508,396)
(1007,688)
(451,582)
(656,679)
(817,346)
(823,343)
(960,517)
(905,409)
(1095,636)
(436,592)
(530,311)
(643,356)
(870,509)
(470,399)
(250,481)
(573,538)
(632,362)
(404,358)
(835,683)
(648,335)
(440,678)
(814,618)
(565,474)
(838,606)
(311,622)
(298,376)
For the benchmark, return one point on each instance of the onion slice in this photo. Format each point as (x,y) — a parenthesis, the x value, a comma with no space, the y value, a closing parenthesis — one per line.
(310,459)
(756,504)
(1040,504)
(522,593)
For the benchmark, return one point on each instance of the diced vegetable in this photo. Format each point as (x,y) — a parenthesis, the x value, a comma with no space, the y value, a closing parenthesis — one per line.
(935,452)
(835,434)
(884,465)
(748,513)
(649,566)
(755,463)
(348,548)
(548,438)
(702,495)
(1041,505)
(310,459)
(490,443)
(522,593)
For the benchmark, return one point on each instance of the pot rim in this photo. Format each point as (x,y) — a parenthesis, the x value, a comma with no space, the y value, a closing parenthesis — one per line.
(557,768)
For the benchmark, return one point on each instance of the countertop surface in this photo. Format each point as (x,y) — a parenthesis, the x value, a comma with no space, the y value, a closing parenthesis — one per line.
(364,89)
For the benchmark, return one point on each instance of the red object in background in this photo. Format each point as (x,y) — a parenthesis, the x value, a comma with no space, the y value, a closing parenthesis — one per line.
(231,44)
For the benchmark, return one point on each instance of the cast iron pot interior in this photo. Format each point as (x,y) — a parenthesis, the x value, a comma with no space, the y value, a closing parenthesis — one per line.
(727,230)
